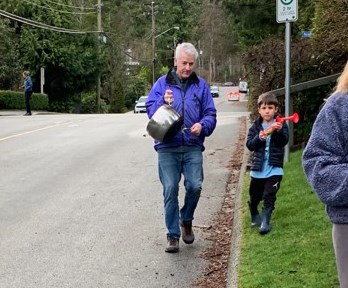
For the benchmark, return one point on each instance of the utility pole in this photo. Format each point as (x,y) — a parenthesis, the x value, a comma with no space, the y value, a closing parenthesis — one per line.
(153,43)
(199,58)
(174,48)
(99,50)
(211,61)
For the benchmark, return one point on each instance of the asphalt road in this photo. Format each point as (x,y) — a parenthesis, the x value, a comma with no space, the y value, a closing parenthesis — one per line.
(81,203)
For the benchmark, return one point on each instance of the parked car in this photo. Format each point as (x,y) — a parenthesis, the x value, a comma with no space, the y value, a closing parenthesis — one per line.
(140,105)
(214,90)
(243,87)
(228,84)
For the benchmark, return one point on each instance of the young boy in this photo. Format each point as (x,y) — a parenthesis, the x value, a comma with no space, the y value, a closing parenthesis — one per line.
(267,160)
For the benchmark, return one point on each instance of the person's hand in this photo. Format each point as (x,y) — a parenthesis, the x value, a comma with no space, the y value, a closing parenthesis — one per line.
(196,129)
(277,126)
(168,96)
(262,136)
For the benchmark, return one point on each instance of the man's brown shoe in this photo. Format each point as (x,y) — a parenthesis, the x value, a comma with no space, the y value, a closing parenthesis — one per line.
(172,245)
(186,231)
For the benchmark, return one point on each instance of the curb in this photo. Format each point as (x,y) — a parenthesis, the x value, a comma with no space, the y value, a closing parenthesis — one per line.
(22,112)
(232,273)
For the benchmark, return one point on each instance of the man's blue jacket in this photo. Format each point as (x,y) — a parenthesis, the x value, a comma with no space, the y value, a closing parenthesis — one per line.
(192,100)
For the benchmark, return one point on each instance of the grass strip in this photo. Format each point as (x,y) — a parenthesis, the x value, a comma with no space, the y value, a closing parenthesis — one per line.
(298,251)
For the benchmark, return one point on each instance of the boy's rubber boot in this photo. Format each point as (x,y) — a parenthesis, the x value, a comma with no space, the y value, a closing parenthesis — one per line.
(255,216)
(265,220)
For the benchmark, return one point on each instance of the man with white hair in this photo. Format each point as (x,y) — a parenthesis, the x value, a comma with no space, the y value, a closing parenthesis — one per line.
(182,154)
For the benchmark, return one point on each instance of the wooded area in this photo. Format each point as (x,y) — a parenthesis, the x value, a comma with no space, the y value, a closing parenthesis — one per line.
(80,42)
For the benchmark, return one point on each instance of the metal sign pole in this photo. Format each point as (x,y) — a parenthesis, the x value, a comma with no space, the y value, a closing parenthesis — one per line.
(287,80)
(287,12)
(42,79)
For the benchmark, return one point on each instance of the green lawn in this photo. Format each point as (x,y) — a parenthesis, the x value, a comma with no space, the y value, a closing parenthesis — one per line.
(298,251)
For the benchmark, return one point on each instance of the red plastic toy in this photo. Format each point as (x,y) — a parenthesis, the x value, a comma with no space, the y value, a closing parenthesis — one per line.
(294,118)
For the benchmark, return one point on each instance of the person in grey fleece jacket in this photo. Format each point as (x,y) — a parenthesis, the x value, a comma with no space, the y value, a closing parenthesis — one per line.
(325,163)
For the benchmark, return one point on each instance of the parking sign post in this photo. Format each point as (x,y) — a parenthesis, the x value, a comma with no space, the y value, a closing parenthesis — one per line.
(287,11)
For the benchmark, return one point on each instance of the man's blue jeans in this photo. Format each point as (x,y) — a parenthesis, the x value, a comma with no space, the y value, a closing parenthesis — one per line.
(172,162)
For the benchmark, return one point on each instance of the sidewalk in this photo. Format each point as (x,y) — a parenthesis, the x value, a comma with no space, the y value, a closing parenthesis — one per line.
(22,112)
(12,112)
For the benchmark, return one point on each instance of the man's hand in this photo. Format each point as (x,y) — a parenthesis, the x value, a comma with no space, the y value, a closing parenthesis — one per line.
(196,129)
(168,97)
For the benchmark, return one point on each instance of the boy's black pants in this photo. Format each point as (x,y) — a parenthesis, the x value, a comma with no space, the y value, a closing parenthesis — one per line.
(264,189)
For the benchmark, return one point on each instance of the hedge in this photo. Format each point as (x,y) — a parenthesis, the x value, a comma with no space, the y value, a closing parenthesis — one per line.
(15,100)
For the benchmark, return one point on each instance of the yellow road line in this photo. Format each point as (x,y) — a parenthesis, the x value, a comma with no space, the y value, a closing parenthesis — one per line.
(33,131)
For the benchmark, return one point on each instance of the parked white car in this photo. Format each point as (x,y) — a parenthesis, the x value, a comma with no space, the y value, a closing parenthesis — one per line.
(243,87)
(140,105)
(214,90)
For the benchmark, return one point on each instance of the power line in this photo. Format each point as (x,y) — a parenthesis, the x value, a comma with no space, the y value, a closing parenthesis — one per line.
(43,26)
(136,59)
(69,6)
(59,11)
(148,36)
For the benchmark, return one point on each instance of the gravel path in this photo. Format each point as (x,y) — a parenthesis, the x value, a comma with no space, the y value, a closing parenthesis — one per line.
(223,254)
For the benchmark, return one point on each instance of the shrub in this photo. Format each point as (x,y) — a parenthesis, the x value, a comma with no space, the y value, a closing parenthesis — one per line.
(15,100)
(89,104)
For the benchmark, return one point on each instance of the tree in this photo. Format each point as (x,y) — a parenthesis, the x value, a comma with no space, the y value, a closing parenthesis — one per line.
(252,21)
(9,57)
(215,43)
(70,60)
(330,37)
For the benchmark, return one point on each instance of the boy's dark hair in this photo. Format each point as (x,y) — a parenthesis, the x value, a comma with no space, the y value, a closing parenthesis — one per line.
(268,99)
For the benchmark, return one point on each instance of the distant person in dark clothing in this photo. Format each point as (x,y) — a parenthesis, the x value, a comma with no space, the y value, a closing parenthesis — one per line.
(28,91)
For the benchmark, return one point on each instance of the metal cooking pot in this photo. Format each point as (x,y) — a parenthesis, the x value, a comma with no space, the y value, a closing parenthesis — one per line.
(164,124)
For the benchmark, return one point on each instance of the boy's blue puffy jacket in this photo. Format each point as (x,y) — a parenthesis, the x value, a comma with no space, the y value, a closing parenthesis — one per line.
(194,104)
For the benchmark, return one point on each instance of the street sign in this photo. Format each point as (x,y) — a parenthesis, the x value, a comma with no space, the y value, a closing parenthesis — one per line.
(306,34)
(287,11)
